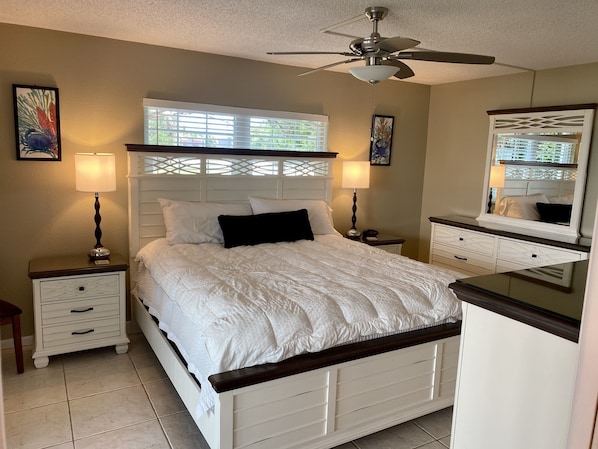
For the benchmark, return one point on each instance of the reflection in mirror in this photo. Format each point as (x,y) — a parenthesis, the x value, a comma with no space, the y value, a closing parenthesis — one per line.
(536,170)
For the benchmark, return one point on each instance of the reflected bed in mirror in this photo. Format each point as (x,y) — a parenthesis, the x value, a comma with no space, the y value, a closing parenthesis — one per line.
(536,170)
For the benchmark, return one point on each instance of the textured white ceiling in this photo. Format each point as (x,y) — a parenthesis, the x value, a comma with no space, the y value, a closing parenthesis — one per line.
(533,34)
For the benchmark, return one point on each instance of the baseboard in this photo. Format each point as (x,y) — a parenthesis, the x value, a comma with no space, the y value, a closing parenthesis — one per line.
(9,342)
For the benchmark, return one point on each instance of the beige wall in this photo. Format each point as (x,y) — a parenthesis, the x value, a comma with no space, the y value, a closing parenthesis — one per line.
(458,137)
(101,84)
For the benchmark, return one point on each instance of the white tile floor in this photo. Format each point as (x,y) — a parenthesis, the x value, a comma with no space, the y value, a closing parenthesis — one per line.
(98,399)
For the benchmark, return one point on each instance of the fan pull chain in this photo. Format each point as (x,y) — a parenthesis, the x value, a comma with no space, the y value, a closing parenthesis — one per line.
(373,113)
(373,99)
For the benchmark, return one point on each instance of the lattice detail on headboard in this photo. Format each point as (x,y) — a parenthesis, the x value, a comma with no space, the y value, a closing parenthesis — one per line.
(239,166)
(520,172)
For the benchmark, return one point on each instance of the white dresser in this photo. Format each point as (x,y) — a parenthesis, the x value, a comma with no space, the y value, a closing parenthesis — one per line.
(77,305)
(459,243)
(517,360)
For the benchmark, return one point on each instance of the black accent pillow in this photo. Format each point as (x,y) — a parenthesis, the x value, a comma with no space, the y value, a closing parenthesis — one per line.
(554,213)
(270,227)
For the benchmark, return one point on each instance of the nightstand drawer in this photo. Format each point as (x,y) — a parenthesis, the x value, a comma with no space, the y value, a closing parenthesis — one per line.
(76,333)
(393,249)
(80,310)
(80,287)
(482,244)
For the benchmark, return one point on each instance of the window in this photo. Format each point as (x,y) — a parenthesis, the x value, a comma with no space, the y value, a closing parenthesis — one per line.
(193,124)
(555,148)
(548,156)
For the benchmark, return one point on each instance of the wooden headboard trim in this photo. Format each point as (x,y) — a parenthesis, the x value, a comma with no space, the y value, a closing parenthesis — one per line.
(227,151)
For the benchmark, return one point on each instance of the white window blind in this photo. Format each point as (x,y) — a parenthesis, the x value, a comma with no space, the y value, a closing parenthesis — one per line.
(211,126)
(532,151)
(547,149)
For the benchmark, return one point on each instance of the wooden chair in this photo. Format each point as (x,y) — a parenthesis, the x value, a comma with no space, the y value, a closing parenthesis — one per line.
(10,314)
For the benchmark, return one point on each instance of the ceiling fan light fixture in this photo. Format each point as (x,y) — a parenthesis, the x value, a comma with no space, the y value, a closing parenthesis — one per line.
(373,73)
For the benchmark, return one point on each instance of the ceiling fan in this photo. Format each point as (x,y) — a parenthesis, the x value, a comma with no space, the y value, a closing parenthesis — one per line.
(383,55)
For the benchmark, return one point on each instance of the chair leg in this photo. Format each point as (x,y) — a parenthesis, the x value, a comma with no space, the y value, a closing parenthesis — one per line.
(16,335)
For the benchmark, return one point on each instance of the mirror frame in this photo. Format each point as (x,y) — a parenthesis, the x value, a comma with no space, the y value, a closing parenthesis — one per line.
(570,118)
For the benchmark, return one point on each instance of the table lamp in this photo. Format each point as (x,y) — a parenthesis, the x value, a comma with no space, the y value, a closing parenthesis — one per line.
(497,181)
(96,172)
(356,175)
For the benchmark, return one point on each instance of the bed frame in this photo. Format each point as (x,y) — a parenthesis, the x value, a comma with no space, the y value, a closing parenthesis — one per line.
(310,401)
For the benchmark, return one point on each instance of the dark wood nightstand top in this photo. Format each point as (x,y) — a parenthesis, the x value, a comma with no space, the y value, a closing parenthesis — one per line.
(383,239)
(73,265)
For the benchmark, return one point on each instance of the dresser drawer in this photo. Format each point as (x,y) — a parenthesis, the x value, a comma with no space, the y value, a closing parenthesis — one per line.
(78,333)
(80,287)
(513,253)
(482,244)
(80,310)
(462,260)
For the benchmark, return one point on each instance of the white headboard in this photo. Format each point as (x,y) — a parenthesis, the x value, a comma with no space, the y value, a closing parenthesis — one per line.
(531,187)
(216,175)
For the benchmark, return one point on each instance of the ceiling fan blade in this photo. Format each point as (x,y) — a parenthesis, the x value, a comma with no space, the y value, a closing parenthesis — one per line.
(404,70)
(324,67)
(443,56)
(397,43)
(310,53)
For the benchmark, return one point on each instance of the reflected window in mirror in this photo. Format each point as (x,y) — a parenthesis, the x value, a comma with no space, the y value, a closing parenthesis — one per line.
(536,168)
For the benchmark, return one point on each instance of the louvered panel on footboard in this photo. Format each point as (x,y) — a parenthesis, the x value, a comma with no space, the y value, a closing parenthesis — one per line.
(448,370)
(330,406)
(376,388)
(296,407)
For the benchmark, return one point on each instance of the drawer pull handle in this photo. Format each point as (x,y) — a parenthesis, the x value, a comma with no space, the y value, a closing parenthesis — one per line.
(461,258)
(461,239)
(81,289)
(88,331)
(534,255)
(89,309)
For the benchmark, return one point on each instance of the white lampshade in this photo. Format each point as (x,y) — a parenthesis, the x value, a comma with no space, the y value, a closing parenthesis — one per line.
(373,73)
(95,172)
(356,174)
(497,176)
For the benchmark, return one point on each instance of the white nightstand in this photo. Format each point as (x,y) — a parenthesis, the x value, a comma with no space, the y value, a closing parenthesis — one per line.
(78,305)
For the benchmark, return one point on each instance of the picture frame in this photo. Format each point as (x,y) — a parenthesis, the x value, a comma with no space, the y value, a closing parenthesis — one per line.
(381,139)
(37,123)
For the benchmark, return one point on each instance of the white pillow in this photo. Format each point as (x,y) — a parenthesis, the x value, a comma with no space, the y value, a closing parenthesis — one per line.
(562,199)
(193,222)
(521,206)
(319,213)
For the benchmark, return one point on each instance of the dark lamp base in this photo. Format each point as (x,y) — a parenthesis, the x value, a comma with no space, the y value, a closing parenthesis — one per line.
(100,253)
(353,232)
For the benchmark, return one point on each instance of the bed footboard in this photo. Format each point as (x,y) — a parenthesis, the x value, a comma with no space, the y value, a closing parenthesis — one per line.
(323,407)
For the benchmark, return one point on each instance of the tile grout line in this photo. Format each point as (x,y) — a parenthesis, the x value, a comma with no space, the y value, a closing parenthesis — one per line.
(68,406)
(151,403)
(110,391)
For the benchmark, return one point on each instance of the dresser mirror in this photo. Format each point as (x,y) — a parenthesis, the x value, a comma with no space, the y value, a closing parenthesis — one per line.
(536,170)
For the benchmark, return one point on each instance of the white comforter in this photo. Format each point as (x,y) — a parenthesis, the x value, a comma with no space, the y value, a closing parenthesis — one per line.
(266,303)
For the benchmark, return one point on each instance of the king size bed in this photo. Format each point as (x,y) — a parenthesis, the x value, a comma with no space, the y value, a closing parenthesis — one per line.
(275,330)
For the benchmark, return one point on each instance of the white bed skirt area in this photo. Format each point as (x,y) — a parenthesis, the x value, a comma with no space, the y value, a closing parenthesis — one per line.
(320,408)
